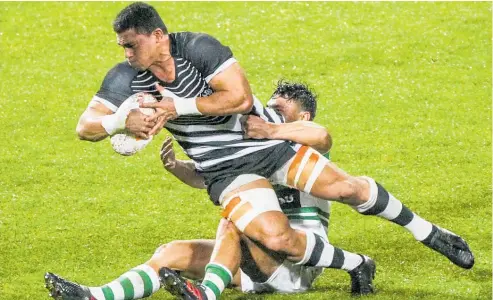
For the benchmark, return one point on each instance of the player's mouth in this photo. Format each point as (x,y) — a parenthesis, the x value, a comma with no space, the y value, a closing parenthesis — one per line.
(134,64)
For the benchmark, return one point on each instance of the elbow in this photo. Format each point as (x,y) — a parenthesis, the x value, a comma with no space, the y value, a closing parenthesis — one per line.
(81,133)
(325,142)
(84,135)
(245,103)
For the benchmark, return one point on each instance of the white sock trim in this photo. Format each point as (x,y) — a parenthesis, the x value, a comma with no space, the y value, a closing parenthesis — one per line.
(373,196)
(223,267)
(310,244)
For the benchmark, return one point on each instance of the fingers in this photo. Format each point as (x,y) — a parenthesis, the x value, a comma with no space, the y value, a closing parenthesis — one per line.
(155,116)
(166,152)
(159,88)
(141,135)
(149,104)
(166,145)
(159,125)
(166,142)
(137,124)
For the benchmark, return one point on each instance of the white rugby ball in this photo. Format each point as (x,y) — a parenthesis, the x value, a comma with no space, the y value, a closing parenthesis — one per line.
(126,143)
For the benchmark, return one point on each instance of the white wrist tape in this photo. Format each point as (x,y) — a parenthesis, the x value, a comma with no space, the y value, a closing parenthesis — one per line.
(114,123)
(186,106)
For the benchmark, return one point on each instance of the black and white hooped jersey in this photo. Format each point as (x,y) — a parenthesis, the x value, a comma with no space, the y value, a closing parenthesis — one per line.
(209,140)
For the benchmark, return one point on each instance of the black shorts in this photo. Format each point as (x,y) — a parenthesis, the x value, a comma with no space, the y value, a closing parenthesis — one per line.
(263,163)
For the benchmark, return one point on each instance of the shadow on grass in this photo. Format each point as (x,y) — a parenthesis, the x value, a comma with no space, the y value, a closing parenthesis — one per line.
(335,291)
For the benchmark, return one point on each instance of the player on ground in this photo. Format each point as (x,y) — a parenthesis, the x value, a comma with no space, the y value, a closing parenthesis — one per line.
(210,94)
(261,270)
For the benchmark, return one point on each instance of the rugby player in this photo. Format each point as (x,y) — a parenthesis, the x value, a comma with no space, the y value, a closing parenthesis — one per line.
(261,270)
(204,97)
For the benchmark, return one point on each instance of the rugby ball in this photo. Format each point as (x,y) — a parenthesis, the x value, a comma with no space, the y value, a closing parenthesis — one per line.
(126,143)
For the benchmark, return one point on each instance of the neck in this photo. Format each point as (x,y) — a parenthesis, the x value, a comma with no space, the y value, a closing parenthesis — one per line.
(164,66)
(164,59)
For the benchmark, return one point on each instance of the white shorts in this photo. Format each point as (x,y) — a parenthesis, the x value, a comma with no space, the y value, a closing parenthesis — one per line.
(288,278)
(300,172)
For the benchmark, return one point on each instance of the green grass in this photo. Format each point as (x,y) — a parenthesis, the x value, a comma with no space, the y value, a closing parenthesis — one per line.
(405,89)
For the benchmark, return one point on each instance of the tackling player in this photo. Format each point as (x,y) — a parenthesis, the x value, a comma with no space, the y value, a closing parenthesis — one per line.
(261,269)
(210,93)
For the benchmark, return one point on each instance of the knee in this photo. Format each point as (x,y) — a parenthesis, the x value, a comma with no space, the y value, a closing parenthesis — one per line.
(355,188)
(279,241)
(363,189)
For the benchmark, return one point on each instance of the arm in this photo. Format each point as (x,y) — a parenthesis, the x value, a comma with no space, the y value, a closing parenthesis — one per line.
(232,95)
(181,169)
(89,127)
(91,123)
(302,132)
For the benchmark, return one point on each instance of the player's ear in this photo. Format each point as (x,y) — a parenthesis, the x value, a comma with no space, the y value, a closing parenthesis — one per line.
(305,116)
(159,34)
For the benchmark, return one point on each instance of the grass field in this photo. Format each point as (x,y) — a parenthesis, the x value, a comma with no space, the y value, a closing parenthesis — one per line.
(405,89)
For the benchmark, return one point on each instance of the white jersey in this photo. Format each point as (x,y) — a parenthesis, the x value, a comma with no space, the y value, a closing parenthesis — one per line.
(304,211)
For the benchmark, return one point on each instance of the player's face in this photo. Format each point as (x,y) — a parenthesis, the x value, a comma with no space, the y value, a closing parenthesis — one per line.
(289,109)
(140,49)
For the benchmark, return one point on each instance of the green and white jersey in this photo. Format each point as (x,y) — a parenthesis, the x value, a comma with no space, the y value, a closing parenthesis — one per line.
(304,211)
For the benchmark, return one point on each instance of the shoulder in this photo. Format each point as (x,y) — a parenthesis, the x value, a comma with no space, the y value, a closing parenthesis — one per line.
(122,73)
(205,52)
(116,86)
(195,41)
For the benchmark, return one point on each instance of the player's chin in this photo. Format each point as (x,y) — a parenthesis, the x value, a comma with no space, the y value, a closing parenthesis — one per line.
(137,66)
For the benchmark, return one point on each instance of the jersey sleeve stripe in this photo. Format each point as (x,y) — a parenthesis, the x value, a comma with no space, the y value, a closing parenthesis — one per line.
(221,68)
(106,103)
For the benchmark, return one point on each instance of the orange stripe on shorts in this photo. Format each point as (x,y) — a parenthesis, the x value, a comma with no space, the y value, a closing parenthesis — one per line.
(293,168)
(231,205)
(307,171)
(241,211)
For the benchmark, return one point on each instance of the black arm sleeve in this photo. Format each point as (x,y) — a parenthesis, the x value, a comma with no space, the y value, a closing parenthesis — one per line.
(116,85)
(206,53)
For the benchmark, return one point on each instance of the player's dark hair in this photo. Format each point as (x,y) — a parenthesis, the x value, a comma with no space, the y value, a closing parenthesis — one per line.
(141,17)
(298,92)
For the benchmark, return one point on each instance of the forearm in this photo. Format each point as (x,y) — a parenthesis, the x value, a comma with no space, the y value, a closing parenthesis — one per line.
(232,94)
(303,132)
(186,172)
(223,103)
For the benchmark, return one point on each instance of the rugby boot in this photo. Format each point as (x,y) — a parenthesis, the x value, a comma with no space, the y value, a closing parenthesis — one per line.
(62,289)
(179,286)
(362,277)
(450,245)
